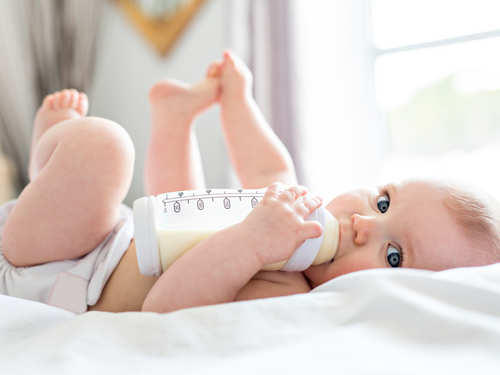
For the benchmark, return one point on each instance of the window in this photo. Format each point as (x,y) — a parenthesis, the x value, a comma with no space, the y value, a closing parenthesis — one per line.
(398,88)
(437,82)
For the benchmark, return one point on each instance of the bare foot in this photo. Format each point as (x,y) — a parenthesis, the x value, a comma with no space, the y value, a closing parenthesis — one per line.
(171,99)
(57,107)
(236,78)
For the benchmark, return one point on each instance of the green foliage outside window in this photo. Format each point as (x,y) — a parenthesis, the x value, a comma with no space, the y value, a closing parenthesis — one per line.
(440,118)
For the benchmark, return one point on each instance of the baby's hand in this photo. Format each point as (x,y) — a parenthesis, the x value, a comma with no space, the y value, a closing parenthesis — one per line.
(236,78)
(277,224)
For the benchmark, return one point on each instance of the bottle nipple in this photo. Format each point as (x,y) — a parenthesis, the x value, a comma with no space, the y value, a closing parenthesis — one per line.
(330,243)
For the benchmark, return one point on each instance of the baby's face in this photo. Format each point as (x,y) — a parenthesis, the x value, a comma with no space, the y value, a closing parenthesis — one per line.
(398,225)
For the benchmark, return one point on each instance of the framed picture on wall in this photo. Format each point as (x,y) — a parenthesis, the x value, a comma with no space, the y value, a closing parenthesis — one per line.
(161,22)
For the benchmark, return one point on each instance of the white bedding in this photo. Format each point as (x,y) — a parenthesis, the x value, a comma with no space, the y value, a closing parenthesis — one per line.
(371,322)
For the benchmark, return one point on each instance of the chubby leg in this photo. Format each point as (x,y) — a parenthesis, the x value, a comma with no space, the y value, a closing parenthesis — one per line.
(257,154)
(173,161)
(57,107)
(80,170)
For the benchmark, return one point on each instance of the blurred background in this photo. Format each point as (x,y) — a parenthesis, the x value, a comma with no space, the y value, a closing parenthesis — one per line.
(361,91)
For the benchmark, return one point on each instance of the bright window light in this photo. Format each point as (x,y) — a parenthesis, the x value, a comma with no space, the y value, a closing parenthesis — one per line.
(400,76)
(372,114)
(442,110)
(402,22)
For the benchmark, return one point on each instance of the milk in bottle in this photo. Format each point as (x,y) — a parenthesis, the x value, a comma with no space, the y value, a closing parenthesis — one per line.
(169,224)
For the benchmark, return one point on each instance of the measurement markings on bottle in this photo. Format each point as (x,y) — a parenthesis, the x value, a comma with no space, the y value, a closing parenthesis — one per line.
(212,196)
(176,199)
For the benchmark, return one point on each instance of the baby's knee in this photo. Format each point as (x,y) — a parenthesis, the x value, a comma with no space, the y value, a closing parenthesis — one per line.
(112,145)
(103,132)
(106,140)
(102,145)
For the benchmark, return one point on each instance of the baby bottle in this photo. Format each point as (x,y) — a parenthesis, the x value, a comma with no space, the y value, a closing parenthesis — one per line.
(169,224)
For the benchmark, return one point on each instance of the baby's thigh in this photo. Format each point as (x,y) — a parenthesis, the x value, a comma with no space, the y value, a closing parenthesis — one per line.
(73,202)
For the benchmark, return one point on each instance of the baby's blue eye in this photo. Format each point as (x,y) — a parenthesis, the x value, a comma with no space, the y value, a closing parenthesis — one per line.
(383,203)
(393,256)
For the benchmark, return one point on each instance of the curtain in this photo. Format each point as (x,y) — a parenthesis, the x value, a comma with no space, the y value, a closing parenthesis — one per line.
(345,139)
(262,33)
(46,46)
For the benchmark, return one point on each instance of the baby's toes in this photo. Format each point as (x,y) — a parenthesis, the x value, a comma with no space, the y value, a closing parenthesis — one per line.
(234,65)
(56,100)
(48,102)
(214,69)
(62,99)
(230,59)
(82,104)
(73,98)
(67,99)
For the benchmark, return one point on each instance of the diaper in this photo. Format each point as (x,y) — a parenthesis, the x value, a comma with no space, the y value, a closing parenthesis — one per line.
(69,284)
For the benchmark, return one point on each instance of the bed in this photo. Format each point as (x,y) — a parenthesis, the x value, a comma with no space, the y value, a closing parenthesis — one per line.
(381,321)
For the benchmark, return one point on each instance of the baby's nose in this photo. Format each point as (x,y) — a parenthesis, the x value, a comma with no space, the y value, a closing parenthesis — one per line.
(363,227)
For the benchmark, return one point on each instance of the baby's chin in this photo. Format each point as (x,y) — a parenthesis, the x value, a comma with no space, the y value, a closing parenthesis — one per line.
(317,275)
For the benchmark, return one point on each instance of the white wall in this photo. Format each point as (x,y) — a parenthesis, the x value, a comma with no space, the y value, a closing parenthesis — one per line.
(127,66)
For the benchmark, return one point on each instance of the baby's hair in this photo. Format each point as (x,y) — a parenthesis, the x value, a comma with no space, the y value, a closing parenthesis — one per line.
(478,214)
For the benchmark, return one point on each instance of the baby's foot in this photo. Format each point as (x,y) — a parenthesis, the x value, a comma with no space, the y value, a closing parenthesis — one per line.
(236,78)
(57,107)
(170,98)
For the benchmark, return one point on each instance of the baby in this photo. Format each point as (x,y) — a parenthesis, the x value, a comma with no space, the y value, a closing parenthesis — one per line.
(69,225)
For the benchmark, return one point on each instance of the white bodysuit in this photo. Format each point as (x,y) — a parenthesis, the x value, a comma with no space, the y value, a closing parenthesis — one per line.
(70,284)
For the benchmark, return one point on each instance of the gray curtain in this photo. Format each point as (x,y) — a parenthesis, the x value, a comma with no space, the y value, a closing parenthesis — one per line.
(283,77)
(45,46)
(262,32)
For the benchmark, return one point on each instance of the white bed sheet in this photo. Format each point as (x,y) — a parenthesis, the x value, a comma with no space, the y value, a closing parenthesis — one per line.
(371,322)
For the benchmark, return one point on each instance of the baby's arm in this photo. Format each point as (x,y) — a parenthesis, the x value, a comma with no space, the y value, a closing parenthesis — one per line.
(211,272)
(217,268)
(257,154)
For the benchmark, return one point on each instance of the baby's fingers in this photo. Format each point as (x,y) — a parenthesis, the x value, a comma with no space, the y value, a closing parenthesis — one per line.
(306,204)
(292,193)
(311,229)
(273,190)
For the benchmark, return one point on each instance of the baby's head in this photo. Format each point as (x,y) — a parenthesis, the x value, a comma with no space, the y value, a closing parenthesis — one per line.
(421,224)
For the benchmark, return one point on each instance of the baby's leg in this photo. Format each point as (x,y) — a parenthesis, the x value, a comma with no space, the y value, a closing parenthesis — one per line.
(173,161)
(80,170)
(257,154)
